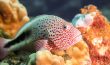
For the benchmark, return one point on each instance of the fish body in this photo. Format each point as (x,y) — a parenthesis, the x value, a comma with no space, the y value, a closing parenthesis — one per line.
(49,31)
(58,32)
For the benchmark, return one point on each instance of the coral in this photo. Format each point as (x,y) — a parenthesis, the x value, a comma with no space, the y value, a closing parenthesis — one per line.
(96,35)
(45,57)
(79,54)
(75,55)
(12,16)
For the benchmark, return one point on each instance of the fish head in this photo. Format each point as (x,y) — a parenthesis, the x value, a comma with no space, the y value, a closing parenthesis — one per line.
(63,34)
(59,33)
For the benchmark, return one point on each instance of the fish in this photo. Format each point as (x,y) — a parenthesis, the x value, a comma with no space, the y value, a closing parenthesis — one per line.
(47,32)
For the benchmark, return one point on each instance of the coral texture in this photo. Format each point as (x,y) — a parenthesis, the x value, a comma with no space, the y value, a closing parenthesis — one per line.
(97,36)
(12,16)
(77,54)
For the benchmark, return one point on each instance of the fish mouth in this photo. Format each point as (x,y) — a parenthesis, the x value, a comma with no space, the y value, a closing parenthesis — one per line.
(79,35)
(75,40)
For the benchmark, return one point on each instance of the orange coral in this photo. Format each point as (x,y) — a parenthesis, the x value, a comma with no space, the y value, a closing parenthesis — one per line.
(12,16)
(78,54)
(97,36)
(89,9)
(45,57)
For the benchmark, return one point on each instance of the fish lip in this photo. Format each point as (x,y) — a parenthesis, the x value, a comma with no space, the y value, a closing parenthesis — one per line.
(76,39)
(77,36)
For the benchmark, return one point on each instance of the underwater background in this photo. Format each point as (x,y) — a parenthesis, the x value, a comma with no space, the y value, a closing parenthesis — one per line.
(66,9)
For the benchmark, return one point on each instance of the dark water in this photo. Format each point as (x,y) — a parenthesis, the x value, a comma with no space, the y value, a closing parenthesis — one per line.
(63,8)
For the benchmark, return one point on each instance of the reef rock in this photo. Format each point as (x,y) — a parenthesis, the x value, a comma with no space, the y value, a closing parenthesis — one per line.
(95,29)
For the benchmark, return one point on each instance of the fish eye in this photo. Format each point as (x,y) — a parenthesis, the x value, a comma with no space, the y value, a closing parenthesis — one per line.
(67,26)
(64,26)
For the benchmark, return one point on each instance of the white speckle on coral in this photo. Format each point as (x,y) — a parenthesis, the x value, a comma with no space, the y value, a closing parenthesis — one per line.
(69,62)
(97,41)
(102,50)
